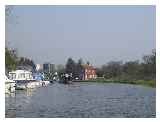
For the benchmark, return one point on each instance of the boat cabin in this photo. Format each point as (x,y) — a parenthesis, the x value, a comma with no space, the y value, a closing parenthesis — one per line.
(20,75)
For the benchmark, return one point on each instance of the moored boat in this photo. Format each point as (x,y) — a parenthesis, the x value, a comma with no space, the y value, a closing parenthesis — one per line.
(9,85)
(66,78)
(23,79)
(44,83)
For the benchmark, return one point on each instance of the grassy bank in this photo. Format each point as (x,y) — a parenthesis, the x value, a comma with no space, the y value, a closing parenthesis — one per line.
(136,82)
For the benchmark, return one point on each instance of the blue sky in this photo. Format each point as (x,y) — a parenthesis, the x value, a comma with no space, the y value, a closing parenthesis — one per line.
(95,33)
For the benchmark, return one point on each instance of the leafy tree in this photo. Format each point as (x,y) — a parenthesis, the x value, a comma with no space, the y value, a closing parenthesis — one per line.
(113,69)
(26,62)
(79,69)
(10,59)
(88,63)
(100,72)
(131,70)
(74,68)
(70,66)
(149,66)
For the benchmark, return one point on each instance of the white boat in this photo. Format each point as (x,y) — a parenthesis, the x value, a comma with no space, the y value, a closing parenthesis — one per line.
(9,85)
(33,84)
(20,75)
(23,79)
(44,83)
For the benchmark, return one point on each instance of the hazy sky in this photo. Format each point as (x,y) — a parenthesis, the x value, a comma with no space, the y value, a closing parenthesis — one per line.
(95,33)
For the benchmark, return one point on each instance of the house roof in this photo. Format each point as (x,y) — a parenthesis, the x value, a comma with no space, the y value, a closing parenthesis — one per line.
(87,66)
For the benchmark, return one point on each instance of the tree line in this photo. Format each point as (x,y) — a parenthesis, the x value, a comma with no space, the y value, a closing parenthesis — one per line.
(144,69)
(12,61)
(130,70)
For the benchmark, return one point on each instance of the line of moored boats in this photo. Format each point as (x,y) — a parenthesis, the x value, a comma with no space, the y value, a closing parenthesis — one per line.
(23,79)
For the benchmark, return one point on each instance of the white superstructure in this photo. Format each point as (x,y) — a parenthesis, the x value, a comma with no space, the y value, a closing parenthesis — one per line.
(20,75)
(24,80)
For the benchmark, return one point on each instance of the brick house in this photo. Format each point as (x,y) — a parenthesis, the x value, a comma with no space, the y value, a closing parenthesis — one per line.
(88,72)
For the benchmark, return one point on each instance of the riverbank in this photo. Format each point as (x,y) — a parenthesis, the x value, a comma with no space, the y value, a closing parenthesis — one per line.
(136,82)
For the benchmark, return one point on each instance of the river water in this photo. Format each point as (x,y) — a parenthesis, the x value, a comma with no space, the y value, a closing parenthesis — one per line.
(83,100)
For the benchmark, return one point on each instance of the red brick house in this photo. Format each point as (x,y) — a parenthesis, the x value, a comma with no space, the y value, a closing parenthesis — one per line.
(89,72)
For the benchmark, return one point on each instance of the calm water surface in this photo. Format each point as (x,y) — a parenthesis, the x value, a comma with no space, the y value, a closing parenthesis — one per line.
(83,100)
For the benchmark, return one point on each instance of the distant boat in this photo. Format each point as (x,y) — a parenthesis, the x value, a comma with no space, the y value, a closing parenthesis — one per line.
(66,78)
(44,83)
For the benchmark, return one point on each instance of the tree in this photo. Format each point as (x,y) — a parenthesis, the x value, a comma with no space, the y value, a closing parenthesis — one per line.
(100,72)
(25,62)
(88,63)
(131,70)
(150,59)
(78,69)
(70,66)
(10,59)
(149,66)
(113,69)
(80,61)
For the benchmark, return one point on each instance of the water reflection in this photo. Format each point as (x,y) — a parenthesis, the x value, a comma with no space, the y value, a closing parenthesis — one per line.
(10,103)
(29,92)
(10,94)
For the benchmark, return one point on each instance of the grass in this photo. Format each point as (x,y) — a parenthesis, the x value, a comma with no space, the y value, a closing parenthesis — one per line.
(150,83)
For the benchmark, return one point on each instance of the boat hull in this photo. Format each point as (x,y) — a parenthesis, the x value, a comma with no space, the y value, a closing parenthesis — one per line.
(10,87)
(22,85)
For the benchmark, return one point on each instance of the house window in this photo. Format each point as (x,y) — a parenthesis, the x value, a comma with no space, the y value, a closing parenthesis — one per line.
(86,77)
(30,76)
(86,70)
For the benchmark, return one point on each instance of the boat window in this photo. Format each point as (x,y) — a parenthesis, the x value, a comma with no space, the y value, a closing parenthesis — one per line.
(12,76)
(21,75)
(30,76)
(27,75)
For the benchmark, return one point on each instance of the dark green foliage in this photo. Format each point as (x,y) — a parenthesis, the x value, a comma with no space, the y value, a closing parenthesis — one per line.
(112,69)
(26,62)
(70,66)
(132,71)
(78,68)
(74,67)
(10,59)
(149,66)
(99,72)
(88,63)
